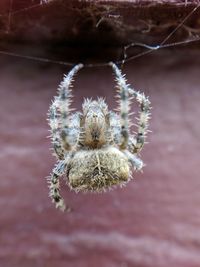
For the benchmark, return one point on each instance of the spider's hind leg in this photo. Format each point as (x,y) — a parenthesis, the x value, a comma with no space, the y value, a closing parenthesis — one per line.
(54,184)
(136,162)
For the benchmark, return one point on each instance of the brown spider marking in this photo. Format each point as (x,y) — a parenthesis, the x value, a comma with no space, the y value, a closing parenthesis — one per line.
(94,148)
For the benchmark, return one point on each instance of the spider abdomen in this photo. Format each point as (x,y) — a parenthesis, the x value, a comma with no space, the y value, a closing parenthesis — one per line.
(98,169)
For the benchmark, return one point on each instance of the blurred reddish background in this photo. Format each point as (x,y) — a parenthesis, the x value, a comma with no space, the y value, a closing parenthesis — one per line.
(153,222)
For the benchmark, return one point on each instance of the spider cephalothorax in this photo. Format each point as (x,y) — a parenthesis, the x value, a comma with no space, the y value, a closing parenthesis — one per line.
(94,148)
(95,123)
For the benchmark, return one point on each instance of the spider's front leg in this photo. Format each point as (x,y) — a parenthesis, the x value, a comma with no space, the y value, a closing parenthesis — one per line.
(65,101)
(63,130)
(124,106)
(54,185)
(137,143)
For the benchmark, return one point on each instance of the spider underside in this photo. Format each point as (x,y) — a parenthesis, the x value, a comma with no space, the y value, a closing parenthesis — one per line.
(94,148)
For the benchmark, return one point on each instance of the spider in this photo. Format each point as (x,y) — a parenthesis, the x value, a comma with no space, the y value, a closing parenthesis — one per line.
(94,148)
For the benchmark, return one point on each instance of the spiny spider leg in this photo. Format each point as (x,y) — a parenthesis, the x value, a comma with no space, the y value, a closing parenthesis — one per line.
(65,101)
(136,162)
(58,115)
(124,105)
(137,144)
(54,186)
(115,128)
(55,130)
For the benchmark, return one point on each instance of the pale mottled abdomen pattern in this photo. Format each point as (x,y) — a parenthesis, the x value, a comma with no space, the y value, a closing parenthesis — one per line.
(98,170)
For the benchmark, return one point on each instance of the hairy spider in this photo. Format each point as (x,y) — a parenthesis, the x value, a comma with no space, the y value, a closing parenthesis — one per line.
(94,148)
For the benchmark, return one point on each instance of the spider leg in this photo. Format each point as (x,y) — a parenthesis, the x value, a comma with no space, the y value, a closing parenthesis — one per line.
(115,128)
(63,131)
(138,141)
(144,115)
(124,105)
(65,101)
(55,130)
(136,162)
(54,186)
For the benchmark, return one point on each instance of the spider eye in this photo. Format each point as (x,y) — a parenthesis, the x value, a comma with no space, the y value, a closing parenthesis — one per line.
(94,115)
